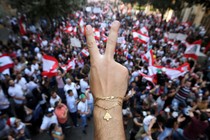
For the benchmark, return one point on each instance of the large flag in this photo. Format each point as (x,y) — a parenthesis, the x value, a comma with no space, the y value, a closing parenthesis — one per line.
(149,57)
(49,66)
(193,50)
(172,73)
(5,62)
(140,37)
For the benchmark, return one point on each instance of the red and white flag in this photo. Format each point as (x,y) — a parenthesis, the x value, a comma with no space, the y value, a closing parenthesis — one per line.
(85,52)
(138,36)
(81,22)
(5,62)
(193,50)
(68,29)
(22,27)
(172,73)
(104,37)
(70,65)
(97,34)
(149,57)
(49,66)
(147,77)
(144,31)
(75,31)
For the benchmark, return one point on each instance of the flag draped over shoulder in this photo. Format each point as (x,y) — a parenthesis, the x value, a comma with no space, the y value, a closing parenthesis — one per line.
(49,66)
(5,62)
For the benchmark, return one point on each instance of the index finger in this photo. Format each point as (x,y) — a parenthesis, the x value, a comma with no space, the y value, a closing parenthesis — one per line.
(91,42)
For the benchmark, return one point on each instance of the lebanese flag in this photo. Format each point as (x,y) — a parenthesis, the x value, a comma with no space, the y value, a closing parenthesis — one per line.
(70,65)
(81,22)
(193,50)
(172,73)
(75,31)
(97,34)
(49,66)
(68,29)
(149,57)
(22,27)
(147,77)
(85,52)
(82,26)
(144,31)
(5,62)
(138,36)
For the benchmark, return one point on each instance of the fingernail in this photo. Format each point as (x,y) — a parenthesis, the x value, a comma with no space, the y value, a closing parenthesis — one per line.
(88,28)
(116,23)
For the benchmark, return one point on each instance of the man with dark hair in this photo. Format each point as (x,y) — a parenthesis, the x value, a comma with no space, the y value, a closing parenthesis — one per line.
(61,111)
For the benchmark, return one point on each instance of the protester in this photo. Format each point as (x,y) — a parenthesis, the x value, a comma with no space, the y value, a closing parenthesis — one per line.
(48,119)
(83,111)
(72,106)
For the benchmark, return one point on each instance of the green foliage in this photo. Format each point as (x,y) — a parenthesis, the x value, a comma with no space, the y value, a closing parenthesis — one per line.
(46,8)
(204,3)
(163,5)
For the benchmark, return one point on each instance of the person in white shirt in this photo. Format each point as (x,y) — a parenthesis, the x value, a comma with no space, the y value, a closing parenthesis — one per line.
(5,104)
(90,101)
(31,85)
(48,119)
(21,81)
(84,84)
(16,92)
(72,106)
(54,98)
(83,111)
(148,123)
(71,86)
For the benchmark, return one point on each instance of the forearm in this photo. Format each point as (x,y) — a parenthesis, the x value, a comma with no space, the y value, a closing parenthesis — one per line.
(109,130)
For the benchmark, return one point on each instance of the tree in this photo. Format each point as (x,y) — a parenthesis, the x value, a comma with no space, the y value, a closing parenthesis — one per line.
(46,8)
(164,5)
(204,3)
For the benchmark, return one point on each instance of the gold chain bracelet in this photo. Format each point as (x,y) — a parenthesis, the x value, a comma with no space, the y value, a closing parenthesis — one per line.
(111,98)
(118,100)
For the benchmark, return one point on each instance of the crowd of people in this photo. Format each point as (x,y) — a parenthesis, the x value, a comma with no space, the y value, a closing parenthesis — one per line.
(162,108)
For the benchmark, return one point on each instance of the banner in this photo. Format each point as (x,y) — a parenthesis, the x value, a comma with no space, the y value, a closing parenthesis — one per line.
(75,42)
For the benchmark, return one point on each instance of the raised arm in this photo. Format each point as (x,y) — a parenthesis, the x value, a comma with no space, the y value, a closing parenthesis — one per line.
(108,82)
